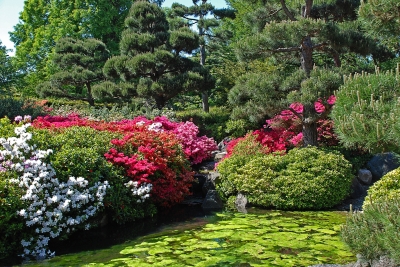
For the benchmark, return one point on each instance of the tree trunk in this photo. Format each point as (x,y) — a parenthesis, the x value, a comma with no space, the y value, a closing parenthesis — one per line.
(89,95)
(307,62)
(204,95)
(310,133)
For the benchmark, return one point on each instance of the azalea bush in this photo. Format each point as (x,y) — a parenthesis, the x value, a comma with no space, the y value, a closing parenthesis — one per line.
(50,208)
(151,157)
(284,131)
(67,173)
(196,148)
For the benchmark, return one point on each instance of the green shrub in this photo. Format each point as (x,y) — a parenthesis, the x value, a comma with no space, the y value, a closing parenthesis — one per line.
(6,127)
(237,128)
(11,224)
(375,231)
(305,178)
(366,112)
(211,124)
(11,108)
(245,150)
(358,158)
(98,112)
(386,189)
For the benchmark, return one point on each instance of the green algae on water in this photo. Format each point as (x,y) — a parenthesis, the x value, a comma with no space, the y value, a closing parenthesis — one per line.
(258,238)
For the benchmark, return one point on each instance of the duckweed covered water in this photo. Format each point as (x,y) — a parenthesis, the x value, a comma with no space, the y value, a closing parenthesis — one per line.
(259,238)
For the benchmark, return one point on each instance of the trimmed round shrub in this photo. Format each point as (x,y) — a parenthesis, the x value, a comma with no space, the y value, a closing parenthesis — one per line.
(386,189)
(304,178)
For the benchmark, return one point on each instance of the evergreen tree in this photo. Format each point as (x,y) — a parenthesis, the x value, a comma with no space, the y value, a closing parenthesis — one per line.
(7,70)
(197,15)
(151,64)
(380,19)
(296,35)
(79,65)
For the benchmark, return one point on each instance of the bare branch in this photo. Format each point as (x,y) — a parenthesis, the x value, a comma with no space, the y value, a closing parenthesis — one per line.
(299,115)
(284,49)
(286,10)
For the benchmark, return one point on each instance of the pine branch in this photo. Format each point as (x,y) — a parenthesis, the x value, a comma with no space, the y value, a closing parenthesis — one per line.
(287,12)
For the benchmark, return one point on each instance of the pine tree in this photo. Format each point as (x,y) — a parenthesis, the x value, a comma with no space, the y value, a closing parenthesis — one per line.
(79,65)
(151,64)
(197,15)
(296,35)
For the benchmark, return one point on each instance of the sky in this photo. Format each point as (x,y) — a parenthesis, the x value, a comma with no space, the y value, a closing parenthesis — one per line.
(10,9)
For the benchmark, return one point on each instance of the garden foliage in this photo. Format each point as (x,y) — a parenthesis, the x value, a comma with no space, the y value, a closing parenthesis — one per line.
(367,110)
(387,189)
(66,173)
(375,231)
(302,179)
(284,130)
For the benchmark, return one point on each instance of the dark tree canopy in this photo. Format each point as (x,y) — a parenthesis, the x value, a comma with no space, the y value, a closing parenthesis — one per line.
(79,65)
(151,64)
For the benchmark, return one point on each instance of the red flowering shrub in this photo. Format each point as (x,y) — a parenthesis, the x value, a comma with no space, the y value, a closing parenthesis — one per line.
(285,129)
(196,148)
(156,158)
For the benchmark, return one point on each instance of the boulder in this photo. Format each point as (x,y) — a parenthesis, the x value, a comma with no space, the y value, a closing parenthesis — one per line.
(223,144)
(241,202)
(219,156)
(383,163)
(357,189)
(209,184)
(212,201)
(365,176)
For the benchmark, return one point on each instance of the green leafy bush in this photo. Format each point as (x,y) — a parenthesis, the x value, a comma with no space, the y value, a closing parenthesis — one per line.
(6,127)
(237,128)
(305,178)
(387,189)
(11,224)
(375,231)
(358,158)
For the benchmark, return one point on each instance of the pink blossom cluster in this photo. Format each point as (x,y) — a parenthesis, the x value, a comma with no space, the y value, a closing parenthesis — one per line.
(196,148)
(285,129)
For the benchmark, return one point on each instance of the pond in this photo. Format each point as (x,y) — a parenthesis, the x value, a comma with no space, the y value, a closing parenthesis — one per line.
(258,238)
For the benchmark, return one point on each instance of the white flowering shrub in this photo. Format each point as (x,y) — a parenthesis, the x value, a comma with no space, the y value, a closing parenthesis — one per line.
(142,191)
(52,208)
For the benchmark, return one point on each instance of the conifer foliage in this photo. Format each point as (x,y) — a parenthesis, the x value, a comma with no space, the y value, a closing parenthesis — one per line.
(306,33)
(151,64)
(79,66)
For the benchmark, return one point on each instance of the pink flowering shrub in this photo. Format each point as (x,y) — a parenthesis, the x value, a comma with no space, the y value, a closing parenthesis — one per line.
(196,148)
(285,129)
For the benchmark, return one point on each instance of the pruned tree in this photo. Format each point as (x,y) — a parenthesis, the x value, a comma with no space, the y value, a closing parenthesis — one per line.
(298,35)
(151,64)
(79,64)
(196,15)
